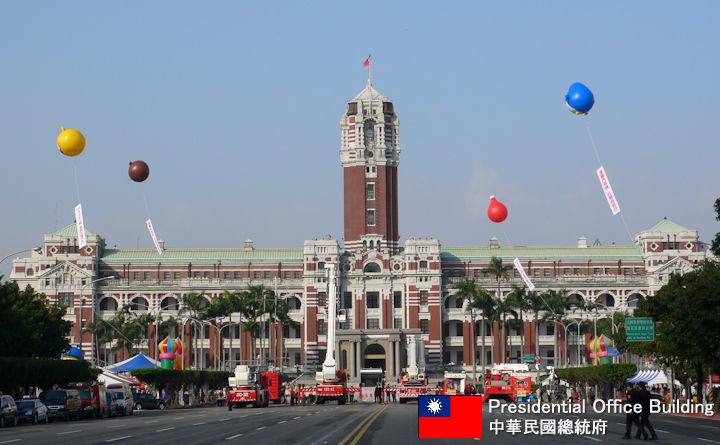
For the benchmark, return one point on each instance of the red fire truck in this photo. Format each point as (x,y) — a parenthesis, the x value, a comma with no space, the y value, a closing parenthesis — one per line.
(497,387)
(249,387)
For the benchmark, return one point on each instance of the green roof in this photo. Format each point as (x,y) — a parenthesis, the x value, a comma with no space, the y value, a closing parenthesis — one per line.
(667,226)
(71,230)
(201,255)
(537,253)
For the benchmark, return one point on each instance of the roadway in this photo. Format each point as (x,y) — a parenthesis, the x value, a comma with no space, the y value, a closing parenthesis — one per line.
(355,424)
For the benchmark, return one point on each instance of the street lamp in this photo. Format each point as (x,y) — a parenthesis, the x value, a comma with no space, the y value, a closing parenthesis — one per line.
(92,314)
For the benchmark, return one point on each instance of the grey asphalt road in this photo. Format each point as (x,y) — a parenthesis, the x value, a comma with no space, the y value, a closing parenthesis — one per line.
(323,424)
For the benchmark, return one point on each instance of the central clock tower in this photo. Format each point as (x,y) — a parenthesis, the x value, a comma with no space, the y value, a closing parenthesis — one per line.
(370,154)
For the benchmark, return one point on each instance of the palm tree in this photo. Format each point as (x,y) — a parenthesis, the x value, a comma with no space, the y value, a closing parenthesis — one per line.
(504,308)
(558,304)
(253,305)
(496,268)
(194,305)
(477,299)
(519,299)
(536,304)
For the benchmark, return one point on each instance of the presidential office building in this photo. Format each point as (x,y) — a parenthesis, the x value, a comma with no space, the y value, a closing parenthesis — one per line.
(388,293)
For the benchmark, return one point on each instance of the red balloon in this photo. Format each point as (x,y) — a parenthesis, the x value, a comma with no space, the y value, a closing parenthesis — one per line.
(138,171)
(497,212)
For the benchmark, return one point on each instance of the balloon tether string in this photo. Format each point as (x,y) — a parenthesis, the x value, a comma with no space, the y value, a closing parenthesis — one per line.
(147,208)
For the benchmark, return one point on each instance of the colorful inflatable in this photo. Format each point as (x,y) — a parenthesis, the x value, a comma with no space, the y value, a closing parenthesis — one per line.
(602,350)
(72,353)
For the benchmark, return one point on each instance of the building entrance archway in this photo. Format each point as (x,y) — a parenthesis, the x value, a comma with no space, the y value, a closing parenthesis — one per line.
(374,356)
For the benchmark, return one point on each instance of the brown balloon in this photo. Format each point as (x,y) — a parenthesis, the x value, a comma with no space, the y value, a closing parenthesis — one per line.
(138,171)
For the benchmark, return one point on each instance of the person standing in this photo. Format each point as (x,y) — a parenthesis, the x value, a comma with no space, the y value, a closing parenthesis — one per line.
(378,393)
(644,399)
(631,417)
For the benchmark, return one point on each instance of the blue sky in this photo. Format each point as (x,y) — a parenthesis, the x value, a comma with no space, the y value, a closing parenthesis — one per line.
(236,108)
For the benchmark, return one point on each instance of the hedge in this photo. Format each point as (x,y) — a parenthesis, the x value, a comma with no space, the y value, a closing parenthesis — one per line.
(614,374)
(160,377)
(42,373)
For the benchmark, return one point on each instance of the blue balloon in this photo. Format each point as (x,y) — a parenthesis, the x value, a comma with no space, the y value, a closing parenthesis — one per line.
(579,98)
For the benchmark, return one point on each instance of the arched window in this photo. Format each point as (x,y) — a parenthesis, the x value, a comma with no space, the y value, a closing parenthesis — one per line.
(139,304)
(606,300)
(371,244)
(294,303)
(169,304)
(372,268)
(364,245)
(108,304)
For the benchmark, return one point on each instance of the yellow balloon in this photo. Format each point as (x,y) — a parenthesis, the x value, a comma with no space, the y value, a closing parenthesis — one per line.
(70,142)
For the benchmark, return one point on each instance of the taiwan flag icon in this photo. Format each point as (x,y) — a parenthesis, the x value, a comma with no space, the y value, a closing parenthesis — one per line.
(449,417)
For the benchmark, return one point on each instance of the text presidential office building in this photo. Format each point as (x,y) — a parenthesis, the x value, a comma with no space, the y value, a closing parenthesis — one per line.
(388,292)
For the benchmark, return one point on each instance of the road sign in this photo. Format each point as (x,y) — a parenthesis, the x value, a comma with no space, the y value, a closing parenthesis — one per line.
(537,358)
(639,329)
(528,357)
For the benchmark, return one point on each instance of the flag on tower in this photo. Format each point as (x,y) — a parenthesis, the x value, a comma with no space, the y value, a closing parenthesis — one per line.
(367,62)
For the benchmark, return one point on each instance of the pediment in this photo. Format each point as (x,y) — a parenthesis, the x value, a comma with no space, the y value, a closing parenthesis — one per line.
(677,265)
(66,267)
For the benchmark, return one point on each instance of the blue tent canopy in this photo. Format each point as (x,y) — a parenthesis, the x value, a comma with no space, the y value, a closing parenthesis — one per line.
(137,362)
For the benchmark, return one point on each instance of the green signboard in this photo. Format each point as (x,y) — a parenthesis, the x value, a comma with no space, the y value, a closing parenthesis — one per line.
(529,357)
(640,329)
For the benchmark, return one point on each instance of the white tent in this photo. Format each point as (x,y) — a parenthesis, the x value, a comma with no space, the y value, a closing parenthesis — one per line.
(108,378)
(650,377)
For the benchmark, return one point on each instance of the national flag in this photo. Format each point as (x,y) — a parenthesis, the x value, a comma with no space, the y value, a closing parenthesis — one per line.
(367,62)
(449,417)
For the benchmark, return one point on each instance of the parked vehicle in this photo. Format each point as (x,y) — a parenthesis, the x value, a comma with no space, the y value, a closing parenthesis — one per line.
(62,403)
(114,409)
(147,401)
(92,398)
(32,410)
(9,413)
(125,397)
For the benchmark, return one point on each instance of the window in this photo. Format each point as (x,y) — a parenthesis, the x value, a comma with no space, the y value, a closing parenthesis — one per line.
(29,271)
(226,275)
(425,326)
(206,274)
(607,271)
(626,271)
(321,296)
(206,331)
(596,271)
(372,300)
(423,298)
(546,272)
(196,274)
(636,271)
(166,275)
(136,275)
(536,272)
(297,274)
(146,275)
(459,302)
(256,274)
(373,323)
(397,299)
(566,271)
(476,273)
(371,217)
(322,327)
(66,299)
(458,330)
(397,323)
(237,331)
(347,300)
(370,190)
(321,266)
(423,264)
(266,274)
(549,329)
(286,274)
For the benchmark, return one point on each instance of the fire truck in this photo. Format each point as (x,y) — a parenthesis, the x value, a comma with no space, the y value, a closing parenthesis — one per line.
(497,387)
(249,387)
(414,381)
(454,383)
(332,383)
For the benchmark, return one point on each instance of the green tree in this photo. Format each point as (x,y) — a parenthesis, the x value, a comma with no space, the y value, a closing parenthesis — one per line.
(500,271)
(253,306)
(193,306)
(28,327)
(535,305)
(716,242)
(477,299)
(558,305)
(520,302)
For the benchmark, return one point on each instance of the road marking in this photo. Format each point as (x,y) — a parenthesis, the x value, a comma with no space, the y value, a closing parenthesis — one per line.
(282,421)
(180,418)
(593,438)
(363,426)
(199,423)
(165,429)
(118,438)
(223,420)
(296,417)
(260,428)
(69,432)
(116,426)
(620,423)
(708,440)
(11,440)
(662,431)
(234,437)
(151,421)
(308,414)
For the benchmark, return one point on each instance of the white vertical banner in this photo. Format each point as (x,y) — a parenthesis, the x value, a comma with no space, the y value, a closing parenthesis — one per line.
(154,238)
(605,184)
(524,276)
(80,225)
